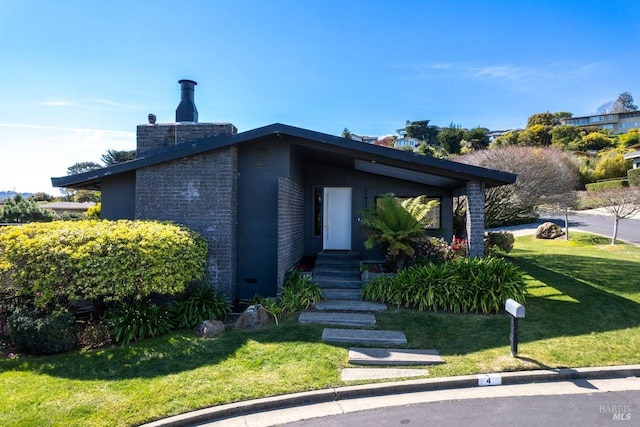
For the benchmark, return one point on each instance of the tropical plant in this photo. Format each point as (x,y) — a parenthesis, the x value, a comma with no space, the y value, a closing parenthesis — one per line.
(463,285)
(397,228)
(134,321)
(203,302)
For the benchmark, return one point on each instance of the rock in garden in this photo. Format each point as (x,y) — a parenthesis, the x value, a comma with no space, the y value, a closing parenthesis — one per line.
(253,316)
(209,329)
(548,230)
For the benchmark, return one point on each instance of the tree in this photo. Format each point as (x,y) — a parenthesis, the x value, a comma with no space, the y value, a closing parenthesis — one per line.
(543,175)
(113,157)
(422,131)
(41,197)
(450,138)
(346,133)
(21,210)
(630,138)
(545,119)
(82,167)
(506,139)
(537,135)
(477,138)
(624,103)
(610,164)
(620,202)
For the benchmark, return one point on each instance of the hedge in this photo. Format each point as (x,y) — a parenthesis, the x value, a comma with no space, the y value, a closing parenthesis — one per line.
(607,185)
(634,177)
(62,261)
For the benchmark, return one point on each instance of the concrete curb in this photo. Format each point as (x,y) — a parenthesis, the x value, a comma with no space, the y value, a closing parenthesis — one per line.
(380,389)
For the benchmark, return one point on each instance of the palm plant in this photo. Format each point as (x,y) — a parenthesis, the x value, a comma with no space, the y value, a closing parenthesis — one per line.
(397,227)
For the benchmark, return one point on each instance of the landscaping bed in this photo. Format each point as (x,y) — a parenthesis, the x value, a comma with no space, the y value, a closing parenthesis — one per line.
(582,310)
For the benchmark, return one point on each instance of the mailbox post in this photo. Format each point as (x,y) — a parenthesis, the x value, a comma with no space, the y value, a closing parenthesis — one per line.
(517,312)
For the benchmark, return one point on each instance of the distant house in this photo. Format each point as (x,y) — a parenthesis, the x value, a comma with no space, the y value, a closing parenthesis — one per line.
(266,197)
(62,208)
(405,142)
(634,156)
(615,122)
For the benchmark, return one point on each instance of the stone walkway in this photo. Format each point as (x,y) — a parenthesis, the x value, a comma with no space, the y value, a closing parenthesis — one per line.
(338,275)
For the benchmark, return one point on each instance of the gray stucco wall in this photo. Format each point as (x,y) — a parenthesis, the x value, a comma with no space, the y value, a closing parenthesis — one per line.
(119,196)
(290,226)
(366,187)
(200,192)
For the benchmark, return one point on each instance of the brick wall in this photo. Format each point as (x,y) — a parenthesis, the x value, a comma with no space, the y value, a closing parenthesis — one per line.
(475,219)
(152,138)
(290,225)
(200,192)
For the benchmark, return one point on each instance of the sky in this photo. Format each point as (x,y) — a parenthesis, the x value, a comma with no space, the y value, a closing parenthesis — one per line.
(77,77)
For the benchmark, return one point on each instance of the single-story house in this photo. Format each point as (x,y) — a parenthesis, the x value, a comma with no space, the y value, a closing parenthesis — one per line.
(266,197)
(62,208)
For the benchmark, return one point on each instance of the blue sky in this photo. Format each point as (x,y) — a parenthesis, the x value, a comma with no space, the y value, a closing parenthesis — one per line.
(76,77)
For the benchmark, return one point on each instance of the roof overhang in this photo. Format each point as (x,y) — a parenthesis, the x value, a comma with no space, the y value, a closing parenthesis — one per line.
(364,157)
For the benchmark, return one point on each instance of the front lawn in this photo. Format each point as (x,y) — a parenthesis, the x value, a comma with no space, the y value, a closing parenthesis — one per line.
(583,310)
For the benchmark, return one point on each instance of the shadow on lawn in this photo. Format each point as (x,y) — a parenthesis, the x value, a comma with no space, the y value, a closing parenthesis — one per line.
(167,355)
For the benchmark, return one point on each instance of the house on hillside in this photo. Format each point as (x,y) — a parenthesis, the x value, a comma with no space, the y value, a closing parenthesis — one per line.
(266,197)
(615,122)
(69,208)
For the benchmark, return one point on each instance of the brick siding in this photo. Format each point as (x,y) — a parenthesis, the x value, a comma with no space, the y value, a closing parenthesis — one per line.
(153,138)
(199,192)
(475,219)
(290,226)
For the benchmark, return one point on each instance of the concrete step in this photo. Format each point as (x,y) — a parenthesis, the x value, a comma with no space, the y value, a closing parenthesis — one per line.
(349,305)
(341,294)
(332,262)
(361,374)
(343,255)
(340,319)
(364,336)
(393,356)
(337,283)
(326,273)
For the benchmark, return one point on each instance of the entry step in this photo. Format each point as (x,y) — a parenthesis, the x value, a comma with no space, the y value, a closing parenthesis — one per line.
(349,305)
(393,356)
(341,319)
(364,336)
(342,294)
(361,374)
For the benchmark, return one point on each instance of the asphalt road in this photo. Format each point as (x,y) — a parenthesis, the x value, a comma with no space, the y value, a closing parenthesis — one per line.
(628,229)
(597,409)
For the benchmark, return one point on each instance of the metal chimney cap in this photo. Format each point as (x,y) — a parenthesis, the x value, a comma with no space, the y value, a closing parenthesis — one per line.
(187,111)
(187,81)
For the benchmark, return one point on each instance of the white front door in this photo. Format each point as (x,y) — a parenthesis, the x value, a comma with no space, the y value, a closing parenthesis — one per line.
(336,216)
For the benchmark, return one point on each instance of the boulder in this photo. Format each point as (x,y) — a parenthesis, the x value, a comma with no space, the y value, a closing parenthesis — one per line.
(548,230)
(253,316)
(209,329)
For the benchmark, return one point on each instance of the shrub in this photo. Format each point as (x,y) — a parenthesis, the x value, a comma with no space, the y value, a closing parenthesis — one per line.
(498,240)
(23,210)
(298,293)
(203,302)
(607,185)
(634,177)
(60,261)
(36,332)
(93,335)
(138,320)
(437,250)
(464,285)
(272,305)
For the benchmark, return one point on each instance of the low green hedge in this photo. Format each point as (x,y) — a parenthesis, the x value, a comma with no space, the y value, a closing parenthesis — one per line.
(634,177)
(465,285)
(607,185)
(62,261)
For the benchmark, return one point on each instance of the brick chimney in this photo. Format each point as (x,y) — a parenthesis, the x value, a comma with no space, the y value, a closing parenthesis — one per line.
(156,137)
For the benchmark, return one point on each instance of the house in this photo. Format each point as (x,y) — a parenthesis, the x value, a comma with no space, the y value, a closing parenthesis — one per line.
(615,122)
(62,208)
(405,142)
(266,197)
(634,156)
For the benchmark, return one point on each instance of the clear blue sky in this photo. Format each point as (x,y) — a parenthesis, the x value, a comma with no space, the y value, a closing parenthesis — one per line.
(76,77)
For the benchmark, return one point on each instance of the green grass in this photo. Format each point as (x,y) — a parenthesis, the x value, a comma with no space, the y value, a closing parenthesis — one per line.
(583,310)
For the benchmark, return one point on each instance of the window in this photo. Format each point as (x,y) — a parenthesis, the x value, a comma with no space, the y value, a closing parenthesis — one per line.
(607,126)
(318,193)
(597,118)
